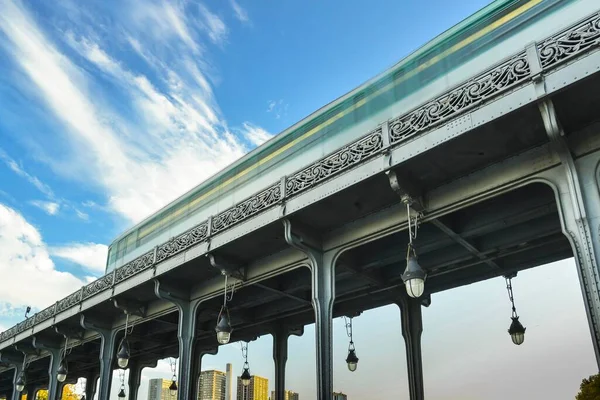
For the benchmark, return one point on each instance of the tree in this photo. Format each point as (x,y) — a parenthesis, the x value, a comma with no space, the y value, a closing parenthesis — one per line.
(590,388)
(68,394)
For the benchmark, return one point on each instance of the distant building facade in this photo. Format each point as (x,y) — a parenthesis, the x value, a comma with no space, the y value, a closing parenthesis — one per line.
(339,396)
(289,395)
(258,389)
(158,389)
(211,385)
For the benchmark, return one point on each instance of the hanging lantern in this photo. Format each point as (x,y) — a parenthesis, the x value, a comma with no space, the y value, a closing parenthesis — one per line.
(123,354)
(413,276)
(61,372)
(223,327)
(516,329)
(122,394)
(173,388)
(246,376)
(20,384)
(352,360)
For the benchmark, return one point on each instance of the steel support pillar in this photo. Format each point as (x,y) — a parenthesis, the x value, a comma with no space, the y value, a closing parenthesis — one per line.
(412,328)
(91,383)
(16,395)
(31,391)
(199,354)
(55,351)
(108,339)
(322,267)
(186,333)
(135,376)
(578,195)
(281,335)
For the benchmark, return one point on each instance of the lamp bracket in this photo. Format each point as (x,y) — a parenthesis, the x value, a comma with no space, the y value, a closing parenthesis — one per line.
(28,350)
(131,307)
(228,267)
(69,332)
(425,300)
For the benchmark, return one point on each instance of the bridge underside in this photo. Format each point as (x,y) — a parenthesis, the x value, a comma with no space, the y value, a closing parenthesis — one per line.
(499,235)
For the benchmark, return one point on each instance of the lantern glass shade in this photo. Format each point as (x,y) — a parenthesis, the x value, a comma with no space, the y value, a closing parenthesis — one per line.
(223,337)
(517,331)
(173,388)
(246,377)
(352,360)
(223,327)
(123,354)
(61,372)
(20,385)
(122,394)
(415,287)
(414,277)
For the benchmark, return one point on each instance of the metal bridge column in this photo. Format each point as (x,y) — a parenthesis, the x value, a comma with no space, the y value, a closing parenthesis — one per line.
(412,327)
(280,355)
(54,348)
(31,391)
(579,205)
(186,334)
(199,354)
(91,383)
(322,267)
(281,335)
(16,395)
(135,376)
(107,352)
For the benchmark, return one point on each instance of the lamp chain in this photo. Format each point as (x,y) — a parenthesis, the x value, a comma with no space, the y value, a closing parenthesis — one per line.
(122,378)
(511,297)
(66,347)
(348,322)
(173,365)
(244,347)
(413,225)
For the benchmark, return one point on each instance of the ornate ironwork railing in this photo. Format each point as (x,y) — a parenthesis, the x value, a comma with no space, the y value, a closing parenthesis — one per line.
(566,45)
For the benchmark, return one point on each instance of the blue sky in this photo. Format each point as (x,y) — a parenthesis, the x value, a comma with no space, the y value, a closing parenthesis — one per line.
(110,109)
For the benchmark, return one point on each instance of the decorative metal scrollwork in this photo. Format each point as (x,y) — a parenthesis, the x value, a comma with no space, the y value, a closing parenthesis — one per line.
(97,286)
(45,314)
(570,42)
(135,266)
(246,208)
(182,242)
(335,163)
(471,94)
(68,302)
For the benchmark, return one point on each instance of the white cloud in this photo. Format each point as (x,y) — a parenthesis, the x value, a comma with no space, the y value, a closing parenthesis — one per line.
(163,21)
(81,215)
(89,255)
(255,134)
(277,107)
(27,271)
(18,169)
(215,27)
(240,13)
(49,207)
(175,137)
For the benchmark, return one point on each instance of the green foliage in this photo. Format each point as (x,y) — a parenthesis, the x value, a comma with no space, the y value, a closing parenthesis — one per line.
(590,388)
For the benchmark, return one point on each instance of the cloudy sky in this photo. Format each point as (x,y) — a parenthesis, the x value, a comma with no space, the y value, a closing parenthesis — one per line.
(110,109)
